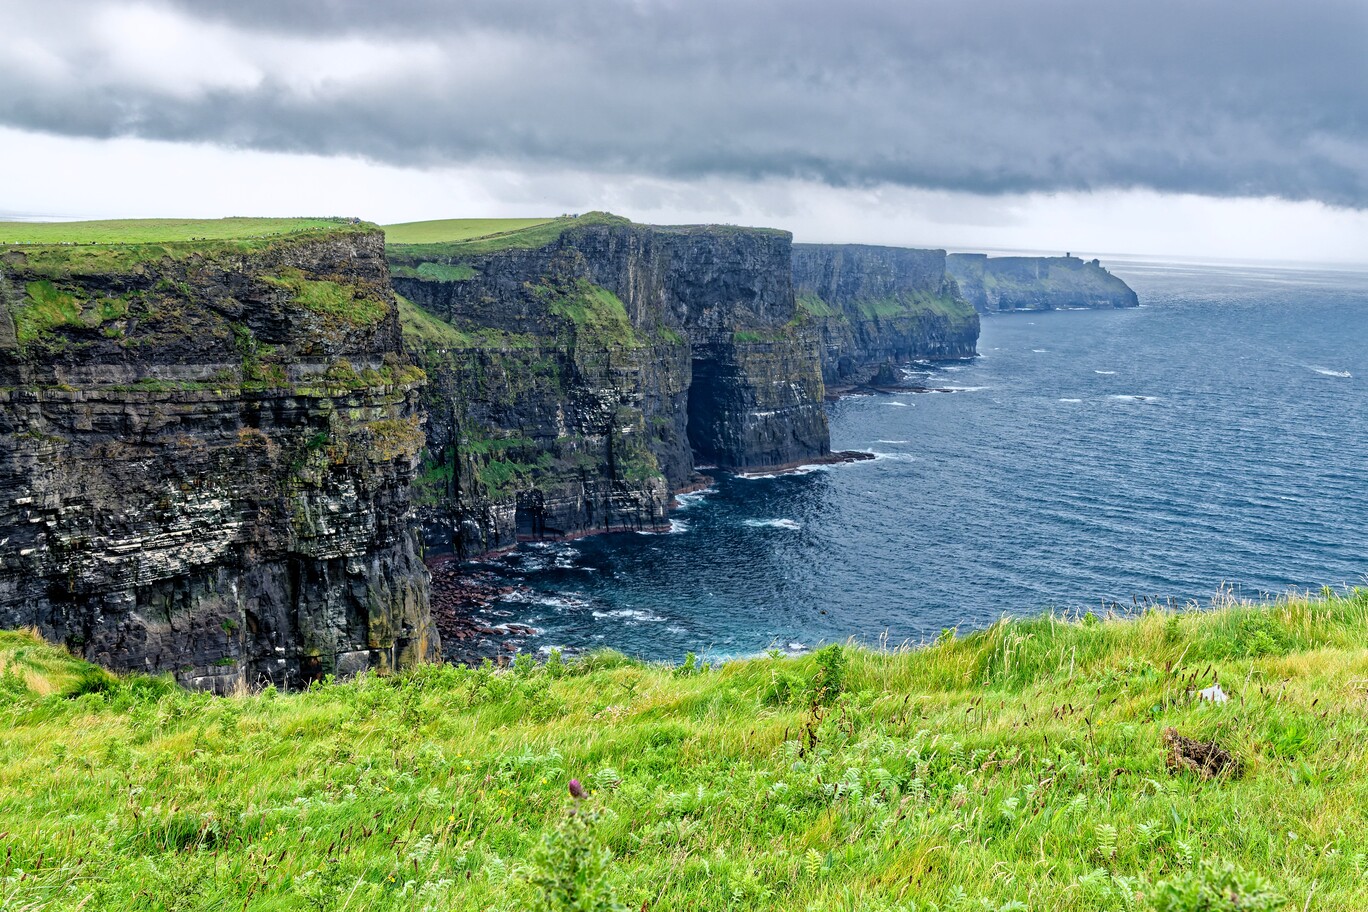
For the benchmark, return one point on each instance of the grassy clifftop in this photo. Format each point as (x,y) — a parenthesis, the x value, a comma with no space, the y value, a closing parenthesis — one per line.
(1022,767)
(64,249)
(415,242)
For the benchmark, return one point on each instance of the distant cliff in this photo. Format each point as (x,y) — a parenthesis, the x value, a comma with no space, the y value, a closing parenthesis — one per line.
(876,306)
(581,368)
(995,284)
(206,453)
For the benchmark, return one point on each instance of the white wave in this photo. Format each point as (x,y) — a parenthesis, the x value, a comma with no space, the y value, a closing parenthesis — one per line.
(894,457)
(892,441)
(1041,351)
(693,498)
(960,389)
(1326,372)
(629,614)
(898,404)
(791,525)
(1104,373)
(562,602)
(1134,398)
(676,526)
(1070,400)
(953,368)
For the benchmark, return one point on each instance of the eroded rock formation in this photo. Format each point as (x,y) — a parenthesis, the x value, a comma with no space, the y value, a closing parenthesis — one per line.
(874,307)
(579,372)
(206,456)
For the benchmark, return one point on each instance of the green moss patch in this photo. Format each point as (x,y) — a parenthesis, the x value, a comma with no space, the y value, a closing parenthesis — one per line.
(437,272)
(345,302)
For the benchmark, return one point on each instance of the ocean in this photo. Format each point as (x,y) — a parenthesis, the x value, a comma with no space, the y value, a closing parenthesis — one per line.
(1211,441)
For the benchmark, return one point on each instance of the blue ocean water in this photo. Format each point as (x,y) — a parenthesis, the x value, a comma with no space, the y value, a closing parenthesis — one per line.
(1215,437)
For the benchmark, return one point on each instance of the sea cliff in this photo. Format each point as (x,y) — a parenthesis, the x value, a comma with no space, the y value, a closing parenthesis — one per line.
(206,453)
(873,307)
(583,368)
(995,284)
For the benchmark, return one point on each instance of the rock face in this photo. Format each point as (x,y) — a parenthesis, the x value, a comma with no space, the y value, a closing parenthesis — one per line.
(206,457)
(873,307)
(581,370)
(995,284)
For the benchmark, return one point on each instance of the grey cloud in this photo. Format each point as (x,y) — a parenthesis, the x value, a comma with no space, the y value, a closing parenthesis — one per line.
(1226,99)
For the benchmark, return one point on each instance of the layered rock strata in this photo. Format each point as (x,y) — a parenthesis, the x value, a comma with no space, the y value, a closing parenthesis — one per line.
(994,284)
(581,370)
(874,307)
(206,457)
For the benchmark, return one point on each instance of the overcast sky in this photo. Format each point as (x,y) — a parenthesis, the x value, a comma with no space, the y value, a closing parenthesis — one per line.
(1205,128)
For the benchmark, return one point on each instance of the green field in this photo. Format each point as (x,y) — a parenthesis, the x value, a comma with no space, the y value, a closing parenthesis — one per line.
(158,231)
(445,230)
(415,242)
(1018,768)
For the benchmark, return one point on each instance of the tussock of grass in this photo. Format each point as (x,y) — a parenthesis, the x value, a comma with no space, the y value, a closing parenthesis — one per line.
(1020,767)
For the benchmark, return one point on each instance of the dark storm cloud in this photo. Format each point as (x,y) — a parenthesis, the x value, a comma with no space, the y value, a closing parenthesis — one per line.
(1260,97)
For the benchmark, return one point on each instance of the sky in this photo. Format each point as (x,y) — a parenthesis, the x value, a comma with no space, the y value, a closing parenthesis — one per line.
(1202,128)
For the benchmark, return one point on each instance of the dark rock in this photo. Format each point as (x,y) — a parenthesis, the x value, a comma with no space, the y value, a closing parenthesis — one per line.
(874,307)
(205,474)
(584,377)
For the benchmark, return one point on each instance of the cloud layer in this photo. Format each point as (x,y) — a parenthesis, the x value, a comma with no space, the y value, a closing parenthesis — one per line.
(1256,98)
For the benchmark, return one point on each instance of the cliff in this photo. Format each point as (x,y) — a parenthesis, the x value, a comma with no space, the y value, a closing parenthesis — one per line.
(876,306)
(582,367)
(207,449)
(1037,283)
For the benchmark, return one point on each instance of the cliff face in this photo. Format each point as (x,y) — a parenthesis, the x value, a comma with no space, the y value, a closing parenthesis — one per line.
(873,306)
(579,373)
(995,284)
(206,455)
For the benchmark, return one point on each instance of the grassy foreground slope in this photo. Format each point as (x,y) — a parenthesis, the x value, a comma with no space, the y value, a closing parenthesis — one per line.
(1017,768)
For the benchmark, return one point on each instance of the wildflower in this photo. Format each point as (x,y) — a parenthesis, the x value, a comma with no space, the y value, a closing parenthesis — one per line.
(577,790)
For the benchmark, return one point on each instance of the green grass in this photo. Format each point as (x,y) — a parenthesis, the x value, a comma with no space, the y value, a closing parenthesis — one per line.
(60,250)
(1020,767)
(159,231)
(334,299)
(444,231)
(596,312)
(914,304)
(815,306)
(416,242)
(436,272)
(423,330)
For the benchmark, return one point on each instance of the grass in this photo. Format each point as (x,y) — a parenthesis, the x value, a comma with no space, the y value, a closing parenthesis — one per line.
(424,330)
(1016,768)
(596,312)
(110,248)
(158,231)
(332,298)
(436,272)
(458,238)
(446,230)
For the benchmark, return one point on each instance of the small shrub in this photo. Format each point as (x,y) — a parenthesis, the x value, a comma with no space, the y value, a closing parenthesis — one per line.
(571,870)
(829,681)
(1215,887)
